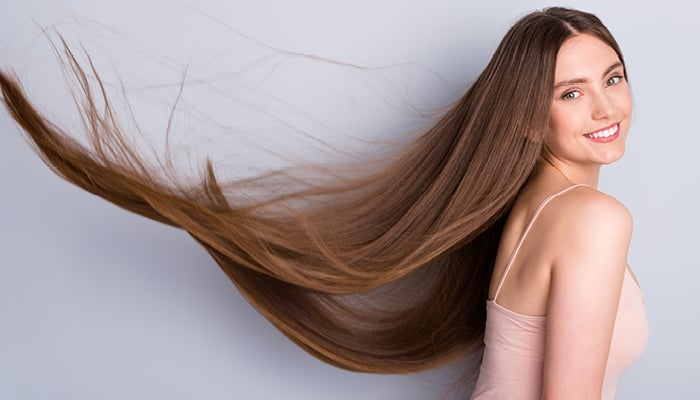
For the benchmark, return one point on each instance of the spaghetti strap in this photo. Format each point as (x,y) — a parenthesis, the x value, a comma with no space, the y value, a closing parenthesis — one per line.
(527,229)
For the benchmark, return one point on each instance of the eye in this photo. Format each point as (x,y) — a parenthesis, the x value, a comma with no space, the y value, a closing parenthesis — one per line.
(574,94)
(613,80)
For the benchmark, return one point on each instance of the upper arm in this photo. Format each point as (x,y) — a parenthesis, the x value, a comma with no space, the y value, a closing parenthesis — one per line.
(587,272)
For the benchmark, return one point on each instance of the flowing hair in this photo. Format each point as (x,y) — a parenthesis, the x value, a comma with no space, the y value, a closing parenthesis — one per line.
(384,273)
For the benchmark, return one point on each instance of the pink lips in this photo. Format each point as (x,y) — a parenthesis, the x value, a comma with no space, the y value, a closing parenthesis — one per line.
(605,139)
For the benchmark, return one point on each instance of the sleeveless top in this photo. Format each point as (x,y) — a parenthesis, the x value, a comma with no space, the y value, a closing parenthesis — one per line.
(514,343)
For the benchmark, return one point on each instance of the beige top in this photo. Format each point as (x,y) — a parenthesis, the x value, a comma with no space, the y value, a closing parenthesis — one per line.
(514,343)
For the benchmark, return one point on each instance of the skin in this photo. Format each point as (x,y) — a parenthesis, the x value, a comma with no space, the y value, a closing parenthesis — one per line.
(572,263)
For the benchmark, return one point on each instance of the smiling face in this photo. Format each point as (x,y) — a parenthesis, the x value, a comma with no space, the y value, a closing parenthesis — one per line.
(591,108)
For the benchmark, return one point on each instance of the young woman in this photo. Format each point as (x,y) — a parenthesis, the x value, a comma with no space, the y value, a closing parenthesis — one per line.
(487,229)
(565,314)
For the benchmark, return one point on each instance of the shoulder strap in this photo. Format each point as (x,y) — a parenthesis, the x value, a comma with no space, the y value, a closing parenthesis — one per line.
(527,229)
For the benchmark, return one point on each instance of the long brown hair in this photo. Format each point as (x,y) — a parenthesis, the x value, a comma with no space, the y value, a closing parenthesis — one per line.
(383,273)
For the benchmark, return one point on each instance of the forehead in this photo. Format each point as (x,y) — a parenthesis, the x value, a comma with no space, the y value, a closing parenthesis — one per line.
(582,56)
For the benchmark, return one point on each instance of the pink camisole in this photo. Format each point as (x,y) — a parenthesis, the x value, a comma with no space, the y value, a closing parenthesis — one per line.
(514,343)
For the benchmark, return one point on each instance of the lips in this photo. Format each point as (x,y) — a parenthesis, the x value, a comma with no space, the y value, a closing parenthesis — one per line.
(604,135)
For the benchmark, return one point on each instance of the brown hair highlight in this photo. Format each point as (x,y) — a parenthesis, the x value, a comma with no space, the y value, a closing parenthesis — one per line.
(383,273)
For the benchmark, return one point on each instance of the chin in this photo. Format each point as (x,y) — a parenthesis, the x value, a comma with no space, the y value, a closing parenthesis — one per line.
(612,157)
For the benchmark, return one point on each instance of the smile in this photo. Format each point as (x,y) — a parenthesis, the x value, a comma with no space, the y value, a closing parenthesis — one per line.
(604,135)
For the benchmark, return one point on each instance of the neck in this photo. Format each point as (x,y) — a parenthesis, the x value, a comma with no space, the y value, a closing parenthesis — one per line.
(572,175)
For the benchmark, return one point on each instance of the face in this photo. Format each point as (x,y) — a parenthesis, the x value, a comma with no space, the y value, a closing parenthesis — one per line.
(592,105)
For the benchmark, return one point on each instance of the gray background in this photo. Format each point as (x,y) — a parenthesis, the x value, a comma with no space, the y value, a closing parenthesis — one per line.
(96,303)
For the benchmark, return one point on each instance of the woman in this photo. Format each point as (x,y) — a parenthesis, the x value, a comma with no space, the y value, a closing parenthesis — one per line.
(565,315)
(441,230)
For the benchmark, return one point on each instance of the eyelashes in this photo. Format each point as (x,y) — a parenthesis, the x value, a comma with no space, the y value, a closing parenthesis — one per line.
(571,95)
(576,93)
(614,80)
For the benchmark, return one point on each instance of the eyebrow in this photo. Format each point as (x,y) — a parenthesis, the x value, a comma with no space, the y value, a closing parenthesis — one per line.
(584,80)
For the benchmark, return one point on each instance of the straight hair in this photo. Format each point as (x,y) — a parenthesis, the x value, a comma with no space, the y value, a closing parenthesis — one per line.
(383,273)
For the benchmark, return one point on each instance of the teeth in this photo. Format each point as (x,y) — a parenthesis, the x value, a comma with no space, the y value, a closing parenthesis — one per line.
(603,134)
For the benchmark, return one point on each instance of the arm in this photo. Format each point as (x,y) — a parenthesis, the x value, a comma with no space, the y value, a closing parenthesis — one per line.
(593,239)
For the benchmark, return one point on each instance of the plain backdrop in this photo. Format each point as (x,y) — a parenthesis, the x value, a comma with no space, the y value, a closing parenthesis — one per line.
(97,303)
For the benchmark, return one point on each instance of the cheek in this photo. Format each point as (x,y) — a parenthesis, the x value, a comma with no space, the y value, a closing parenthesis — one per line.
(627,104)
(558,123)
(623,99)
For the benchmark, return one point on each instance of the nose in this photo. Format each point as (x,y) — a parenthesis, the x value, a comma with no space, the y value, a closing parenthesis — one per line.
(602,106)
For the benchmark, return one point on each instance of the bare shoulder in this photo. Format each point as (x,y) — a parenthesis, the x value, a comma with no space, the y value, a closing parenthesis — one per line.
(589,244)
(585,210)
(583,219)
